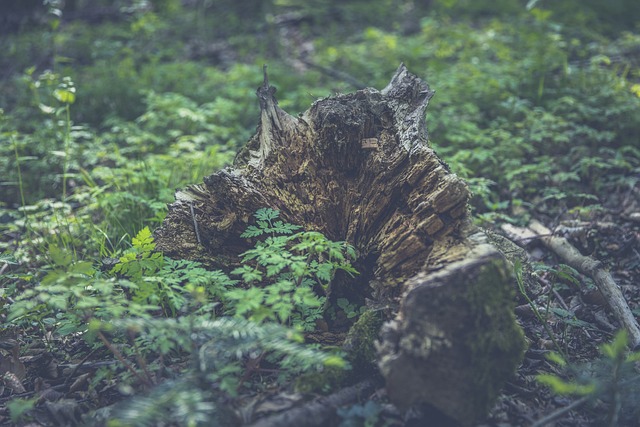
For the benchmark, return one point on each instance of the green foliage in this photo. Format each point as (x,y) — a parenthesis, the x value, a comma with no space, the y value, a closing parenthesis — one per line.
(518,107)
(169,284)
(611,379)
(284,272)
(218,348)
(267,225)
(611,18)
(366,415)
(18,409)
(38,159)
(75,298)
(175,401)
(74,295)
(141,260)
(117,197)
(536,108)
(350,310)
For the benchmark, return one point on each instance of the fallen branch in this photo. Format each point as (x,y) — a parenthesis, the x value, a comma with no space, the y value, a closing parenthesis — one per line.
(320,410)
(587,266)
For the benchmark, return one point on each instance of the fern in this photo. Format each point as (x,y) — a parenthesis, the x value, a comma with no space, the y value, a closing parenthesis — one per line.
(141,260)
(266,224)
(281,272)
(218,347)
(279,276)
(168,283)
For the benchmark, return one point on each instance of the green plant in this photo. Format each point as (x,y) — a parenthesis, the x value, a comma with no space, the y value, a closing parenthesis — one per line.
(518,270)
(19,408)
(42,155)
(76,298)
(611,379)
(367,415)
(350,310)
(73,297)
(141,260)
(66,94)
(168,283)
(288,275)
(219,350)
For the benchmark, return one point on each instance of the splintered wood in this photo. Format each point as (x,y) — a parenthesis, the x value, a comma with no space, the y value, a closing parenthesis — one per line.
(357,167)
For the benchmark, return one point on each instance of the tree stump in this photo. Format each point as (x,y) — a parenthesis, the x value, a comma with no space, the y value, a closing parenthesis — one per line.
(357,168)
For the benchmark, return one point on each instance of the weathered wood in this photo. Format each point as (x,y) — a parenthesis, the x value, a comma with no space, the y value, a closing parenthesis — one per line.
(454,341)
(357,167)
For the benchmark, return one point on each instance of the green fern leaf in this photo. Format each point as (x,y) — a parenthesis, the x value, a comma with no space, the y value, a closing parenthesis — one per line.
(144,241)
(266,214)
(252,231)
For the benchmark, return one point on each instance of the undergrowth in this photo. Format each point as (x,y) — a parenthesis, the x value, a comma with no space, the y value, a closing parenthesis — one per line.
(159,307)
(608,386)
(536,107)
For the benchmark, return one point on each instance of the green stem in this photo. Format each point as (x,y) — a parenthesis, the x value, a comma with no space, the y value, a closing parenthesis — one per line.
(21,185)
(67,144)
(523,291)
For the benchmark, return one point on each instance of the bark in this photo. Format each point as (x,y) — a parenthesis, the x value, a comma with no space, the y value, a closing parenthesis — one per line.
(357,167)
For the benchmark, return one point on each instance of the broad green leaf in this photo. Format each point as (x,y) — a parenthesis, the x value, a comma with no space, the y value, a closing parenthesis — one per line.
(83,267)
(60,257)
(66,96)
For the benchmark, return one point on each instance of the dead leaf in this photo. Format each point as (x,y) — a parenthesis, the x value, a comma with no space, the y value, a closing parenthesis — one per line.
(12,381)
(80,383)
(10,361)
(50,395)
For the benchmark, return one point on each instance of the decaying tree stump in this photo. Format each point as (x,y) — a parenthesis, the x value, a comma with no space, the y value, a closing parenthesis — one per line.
(357,167)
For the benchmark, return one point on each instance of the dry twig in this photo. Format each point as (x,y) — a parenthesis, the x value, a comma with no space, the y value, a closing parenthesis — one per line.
(587,266)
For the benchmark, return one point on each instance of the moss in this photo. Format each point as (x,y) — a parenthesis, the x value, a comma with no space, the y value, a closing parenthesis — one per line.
(325,381)
(361,355)
(360,342)
(496,333)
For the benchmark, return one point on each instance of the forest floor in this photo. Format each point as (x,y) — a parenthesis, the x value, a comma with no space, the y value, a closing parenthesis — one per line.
(583,321)
(523,112)
(576,315)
